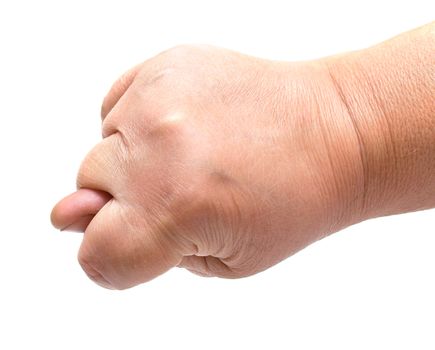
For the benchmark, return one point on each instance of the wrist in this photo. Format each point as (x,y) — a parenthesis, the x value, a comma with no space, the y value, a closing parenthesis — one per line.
(320,126)
(387,92)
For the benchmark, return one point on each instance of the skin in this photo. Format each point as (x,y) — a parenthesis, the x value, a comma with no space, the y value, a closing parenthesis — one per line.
(226,164)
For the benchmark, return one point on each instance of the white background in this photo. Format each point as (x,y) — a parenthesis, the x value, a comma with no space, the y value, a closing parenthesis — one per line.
(370,286)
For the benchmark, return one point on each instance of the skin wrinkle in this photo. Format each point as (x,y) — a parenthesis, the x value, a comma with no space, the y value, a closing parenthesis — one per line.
(94,275)
(236,227)
(362,147)
(392,175)
(339,218)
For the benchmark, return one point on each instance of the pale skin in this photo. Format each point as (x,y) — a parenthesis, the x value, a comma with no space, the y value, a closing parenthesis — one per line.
(226,164)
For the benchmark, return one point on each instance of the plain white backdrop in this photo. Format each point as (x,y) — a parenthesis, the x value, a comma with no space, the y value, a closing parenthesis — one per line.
(371,286)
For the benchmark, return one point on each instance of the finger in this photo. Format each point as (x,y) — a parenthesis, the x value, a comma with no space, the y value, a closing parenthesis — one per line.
(103,167)
(117,90)
(75,212)
(120,250)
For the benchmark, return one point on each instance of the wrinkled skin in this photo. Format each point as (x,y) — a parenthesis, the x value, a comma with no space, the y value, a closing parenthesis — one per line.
(218,162)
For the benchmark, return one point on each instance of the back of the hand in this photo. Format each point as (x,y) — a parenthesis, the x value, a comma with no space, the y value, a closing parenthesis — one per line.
(214,161)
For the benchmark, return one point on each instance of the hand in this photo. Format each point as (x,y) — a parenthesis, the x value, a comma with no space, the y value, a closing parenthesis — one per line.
(214,161)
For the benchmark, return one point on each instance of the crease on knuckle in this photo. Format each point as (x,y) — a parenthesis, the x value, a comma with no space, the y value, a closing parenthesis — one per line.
(89,266)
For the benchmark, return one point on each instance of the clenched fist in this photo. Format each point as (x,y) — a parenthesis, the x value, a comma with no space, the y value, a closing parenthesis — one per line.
(220,163)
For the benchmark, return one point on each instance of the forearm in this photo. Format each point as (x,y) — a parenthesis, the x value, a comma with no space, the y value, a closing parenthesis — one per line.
(388,94)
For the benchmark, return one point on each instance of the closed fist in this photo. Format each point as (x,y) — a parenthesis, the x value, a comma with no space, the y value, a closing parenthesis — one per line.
(214,161)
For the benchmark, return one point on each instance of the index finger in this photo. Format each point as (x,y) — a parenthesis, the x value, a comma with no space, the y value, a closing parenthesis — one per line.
(117,90)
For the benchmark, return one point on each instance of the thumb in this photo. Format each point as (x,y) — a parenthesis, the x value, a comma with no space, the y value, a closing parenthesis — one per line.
(76,211)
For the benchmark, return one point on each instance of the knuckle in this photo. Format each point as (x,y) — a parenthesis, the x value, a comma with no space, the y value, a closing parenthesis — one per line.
(104,163)
(174,59)
(179,50)
(88,170)
(174,137)
(83,178)
(100,270)
(107,103)
(86,261)
(92,269)
(169,127)
(117,90)
(162,67)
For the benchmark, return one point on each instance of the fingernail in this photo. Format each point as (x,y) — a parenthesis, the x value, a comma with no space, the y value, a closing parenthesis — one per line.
(80,225)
